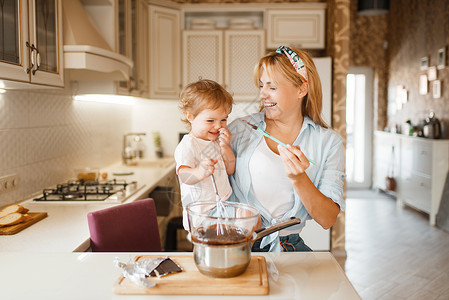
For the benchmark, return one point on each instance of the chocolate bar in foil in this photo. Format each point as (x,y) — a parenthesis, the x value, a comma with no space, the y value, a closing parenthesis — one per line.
(138,271)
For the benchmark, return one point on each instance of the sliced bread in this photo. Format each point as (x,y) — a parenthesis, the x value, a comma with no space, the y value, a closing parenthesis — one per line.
(14,208)
(13,218)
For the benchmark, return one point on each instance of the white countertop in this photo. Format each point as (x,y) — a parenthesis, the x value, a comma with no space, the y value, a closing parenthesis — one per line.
(302,275)
(65,228)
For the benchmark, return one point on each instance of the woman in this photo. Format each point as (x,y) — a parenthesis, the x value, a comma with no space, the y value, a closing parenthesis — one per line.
(280,181)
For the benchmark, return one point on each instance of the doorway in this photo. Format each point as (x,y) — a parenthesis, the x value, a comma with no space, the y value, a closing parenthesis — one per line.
(359,127)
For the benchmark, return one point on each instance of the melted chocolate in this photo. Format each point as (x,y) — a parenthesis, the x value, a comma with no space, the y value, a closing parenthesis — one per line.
(226,235)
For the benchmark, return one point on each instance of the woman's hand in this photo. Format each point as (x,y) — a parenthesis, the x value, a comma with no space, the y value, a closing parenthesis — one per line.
(321,208)
(295,162)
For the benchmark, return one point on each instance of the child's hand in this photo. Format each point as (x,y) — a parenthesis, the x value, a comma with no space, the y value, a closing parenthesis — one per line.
(206,167)
(226,150)
(224,138)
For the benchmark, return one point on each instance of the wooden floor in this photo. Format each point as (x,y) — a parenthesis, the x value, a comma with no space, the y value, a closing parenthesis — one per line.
(393,252)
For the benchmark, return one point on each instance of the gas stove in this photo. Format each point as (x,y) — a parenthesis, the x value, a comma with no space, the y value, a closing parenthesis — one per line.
(114,191)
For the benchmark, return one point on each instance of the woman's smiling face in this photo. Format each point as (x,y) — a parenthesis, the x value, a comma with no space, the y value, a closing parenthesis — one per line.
(280,97)
(207,123)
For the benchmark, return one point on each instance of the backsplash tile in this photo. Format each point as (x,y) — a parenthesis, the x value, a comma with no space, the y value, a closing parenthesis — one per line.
(12,114)
(45,135)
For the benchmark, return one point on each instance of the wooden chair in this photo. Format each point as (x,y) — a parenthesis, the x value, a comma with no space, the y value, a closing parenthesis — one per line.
(130,227)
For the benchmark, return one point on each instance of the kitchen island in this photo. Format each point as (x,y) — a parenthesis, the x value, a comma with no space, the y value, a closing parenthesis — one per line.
(302,275)
(65,229)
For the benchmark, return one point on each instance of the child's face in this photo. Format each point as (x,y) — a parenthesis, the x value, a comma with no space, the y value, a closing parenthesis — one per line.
(206,125)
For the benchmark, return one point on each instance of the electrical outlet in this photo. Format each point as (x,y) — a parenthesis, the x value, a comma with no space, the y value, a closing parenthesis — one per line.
(9,183)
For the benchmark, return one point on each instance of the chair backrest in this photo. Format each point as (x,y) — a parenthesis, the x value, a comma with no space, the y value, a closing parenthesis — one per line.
(130,227)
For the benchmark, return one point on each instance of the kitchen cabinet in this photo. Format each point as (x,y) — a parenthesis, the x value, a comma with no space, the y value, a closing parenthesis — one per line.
(386,159)
(170,181)
(202,55)
(223,56)
(303,28)
(164,52)
(420,168)
(424,167)
(31,43)
(132,41)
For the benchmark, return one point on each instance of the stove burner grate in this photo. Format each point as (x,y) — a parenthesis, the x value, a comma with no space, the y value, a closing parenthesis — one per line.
(78,190)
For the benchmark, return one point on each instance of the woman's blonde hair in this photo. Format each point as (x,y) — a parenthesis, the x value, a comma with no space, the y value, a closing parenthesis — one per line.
(312,104)
(204,94)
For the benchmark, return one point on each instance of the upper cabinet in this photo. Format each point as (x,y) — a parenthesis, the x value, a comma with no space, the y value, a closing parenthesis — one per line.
(223,56)
(132,40)
(304,28)
(202,55)
(31,43)
(239,62)
(223,45)
(165,52)
(224,42)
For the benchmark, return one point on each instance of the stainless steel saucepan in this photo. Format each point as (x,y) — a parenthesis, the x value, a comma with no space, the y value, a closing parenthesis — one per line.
(222,242)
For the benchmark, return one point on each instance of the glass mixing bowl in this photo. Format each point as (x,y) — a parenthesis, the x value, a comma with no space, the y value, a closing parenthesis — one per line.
(221,224)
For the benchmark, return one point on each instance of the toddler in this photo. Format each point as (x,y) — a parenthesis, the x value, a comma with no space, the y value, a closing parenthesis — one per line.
(206,150)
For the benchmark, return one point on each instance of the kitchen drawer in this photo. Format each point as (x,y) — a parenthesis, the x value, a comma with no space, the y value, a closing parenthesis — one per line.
(416,191)
(283,24)
(422,157)
(416,156)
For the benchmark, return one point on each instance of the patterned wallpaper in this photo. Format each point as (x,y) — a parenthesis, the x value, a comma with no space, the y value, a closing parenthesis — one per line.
(368,35)
(338,38)
(417,29)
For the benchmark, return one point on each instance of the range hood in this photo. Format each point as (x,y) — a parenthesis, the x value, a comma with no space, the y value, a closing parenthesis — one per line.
(87,56)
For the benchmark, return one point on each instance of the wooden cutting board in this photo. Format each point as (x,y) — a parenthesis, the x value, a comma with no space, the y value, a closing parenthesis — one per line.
(13,229)
(191,282)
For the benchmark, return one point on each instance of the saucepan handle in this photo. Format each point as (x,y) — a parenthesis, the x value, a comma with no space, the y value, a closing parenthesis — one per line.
(263,232)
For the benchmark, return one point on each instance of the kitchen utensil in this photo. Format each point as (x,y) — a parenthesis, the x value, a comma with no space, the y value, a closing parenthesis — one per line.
(220,207)
(123,173)
(272,138)
(191,282)
(432,127)
(227,254)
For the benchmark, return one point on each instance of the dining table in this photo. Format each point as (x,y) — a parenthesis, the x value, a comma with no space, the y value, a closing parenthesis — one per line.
(94,275)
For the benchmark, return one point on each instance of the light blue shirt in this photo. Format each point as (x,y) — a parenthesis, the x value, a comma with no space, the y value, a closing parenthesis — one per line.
(320,144)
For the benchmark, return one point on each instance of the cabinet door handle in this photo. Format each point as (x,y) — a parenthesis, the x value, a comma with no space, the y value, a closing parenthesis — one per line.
(38,61)
(32,57)
(132,84)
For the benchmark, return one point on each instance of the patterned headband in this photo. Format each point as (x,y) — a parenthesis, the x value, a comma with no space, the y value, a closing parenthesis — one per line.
(294,60)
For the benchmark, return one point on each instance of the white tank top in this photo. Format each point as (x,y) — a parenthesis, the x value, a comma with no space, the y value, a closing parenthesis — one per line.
(270,183)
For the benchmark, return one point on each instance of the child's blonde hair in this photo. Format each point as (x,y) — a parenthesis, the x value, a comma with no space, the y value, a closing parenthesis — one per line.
(204,94)
(312,104)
